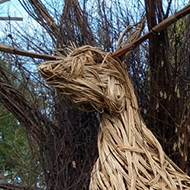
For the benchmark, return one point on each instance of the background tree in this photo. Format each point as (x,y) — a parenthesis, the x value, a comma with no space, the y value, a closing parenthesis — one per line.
(165,107)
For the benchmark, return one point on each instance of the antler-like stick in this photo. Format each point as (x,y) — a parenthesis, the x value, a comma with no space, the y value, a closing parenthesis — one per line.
(158,28)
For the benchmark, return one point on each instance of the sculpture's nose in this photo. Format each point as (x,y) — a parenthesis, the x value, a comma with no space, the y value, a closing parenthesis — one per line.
(48,68)
(44,71)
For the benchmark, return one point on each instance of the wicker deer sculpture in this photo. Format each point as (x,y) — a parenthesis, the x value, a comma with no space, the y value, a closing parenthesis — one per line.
(130,157)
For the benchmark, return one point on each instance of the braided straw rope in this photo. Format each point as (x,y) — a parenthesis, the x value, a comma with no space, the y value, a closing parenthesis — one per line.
(130,157)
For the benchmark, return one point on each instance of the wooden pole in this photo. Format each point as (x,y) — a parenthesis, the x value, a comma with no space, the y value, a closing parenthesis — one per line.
(3,1)
(11,18)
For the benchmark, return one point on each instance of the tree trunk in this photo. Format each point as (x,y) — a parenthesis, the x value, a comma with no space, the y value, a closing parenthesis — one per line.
(161,108)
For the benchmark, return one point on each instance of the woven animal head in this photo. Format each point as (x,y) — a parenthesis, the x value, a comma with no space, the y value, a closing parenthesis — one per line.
(91,78)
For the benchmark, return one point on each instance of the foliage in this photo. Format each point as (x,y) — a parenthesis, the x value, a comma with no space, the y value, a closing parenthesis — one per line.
(17,162)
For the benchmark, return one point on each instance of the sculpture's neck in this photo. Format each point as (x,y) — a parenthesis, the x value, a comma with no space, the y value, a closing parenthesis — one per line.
(122,128)
(130,157)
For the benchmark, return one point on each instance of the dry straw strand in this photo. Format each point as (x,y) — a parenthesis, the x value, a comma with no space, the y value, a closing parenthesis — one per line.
(130,157)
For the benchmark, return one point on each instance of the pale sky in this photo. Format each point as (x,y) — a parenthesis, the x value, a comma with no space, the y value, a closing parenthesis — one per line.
(12,8)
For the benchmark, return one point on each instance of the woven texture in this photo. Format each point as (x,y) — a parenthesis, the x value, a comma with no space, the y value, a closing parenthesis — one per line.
(130,157)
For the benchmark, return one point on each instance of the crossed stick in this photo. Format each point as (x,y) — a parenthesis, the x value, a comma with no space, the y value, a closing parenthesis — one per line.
(156,29)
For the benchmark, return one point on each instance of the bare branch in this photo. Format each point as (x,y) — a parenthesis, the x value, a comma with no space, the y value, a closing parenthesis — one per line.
(22,109)
(37,10)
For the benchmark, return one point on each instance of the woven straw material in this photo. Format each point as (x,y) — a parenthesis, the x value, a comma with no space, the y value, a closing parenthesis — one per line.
(130,157)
